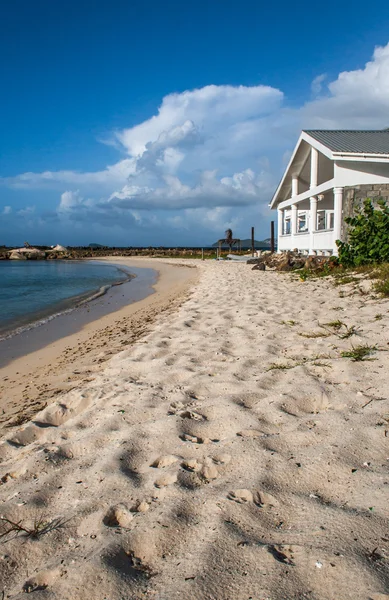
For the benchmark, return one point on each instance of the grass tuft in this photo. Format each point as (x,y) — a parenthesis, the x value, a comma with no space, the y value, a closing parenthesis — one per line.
(39,527)
(359,353)
(314,334)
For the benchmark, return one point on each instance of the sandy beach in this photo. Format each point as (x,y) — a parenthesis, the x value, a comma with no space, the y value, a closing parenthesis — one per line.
(207,443)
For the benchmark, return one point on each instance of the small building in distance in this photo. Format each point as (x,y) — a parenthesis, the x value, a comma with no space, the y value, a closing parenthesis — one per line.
(329,174)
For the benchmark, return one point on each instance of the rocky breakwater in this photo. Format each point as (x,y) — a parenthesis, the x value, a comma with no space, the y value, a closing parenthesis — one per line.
(27,254)
(290,261)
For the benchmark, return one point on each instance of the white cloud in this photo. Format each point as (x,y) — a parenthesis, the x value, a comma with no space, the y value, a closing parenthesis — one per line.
(7,210)
(28,211)
(317,84)
(213,153)
(356,99)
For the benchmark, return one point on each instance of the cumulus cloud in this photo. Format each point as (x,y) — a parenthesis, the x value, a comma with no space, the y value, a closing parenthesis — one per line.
(317,84)
(356,99)
(212,153)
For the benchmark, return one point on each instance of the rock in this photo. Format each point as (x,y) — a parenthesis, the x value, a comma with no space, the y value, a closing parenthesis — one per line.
(259,267)
(284,265)
(118,516)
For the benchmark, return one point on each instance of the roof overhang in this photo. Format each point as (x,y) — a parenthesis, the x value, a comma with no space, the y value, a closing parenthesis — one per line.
(294,161)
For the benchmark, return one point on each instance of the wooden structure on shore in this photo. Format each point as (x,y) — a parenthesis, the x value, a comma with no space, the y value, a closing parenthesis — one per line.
(230,241)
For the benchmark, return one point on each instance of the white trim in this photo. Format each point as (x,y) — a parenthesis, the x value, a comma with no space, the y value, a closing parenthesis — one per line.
(324,187)
(360,156)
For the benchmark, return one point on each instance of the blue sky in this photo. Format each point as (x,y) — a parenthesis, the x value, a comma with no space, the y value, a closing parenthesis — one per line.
(164,123)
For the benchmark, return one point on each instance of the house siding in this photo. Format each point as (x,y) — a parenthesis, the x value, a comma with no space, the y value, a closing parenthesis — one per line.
(354,196)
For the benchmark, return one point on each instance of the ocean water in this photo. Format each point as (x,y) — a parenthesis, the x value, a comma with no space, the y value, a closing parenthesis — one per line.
(34,290)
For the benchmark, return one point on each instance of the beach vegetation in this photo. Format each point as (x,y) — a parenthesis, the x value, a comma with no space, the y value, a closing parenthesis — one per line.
(314,334)
(359,353)
(39,527)
(334,324)
(368,236)
(340,329)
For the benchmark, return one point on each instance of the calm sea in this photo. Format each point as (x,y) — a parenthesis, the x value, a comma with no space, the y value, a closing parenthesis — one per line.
(31,290)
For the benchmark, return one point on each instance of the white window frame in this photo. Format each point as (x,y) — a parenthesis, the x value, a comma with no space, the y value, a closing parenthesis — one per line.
(300,215)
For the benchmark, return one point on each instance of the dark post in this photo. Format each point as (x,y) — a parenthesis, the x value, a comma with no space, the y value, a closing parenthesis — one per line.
(272,237)
(252,241)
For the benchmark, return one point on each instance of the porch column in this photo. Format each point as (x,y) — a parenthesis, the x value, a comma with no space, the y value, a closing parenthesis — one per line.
(312,222)
(293,227)
(280,225)
(338,210)
(314,167)
(294,219)
(295,186)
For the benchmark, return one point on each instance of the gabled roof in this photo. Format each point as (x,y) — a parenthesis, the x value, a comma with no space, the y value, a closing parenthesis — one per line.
(337,144)
(352,141)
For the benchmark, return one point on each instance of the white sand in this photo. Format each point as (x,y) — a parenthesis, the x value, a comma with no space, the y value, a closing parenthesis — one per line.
(186,469)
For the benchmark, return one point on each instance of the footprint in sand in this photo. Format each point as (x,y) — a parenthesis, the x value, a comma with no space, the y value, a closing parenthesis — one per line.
(258,497)
(250,433)
(118,516)
(165,480)
(41,580)
(194,439)
(192,464)
(241,496)
(209,470)
(164,461)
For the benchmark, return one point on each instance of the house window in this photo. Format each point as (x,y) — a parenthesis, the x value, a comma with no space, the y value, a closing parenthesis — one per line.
(321,220)
(302,222)
(287,226)
(330,219)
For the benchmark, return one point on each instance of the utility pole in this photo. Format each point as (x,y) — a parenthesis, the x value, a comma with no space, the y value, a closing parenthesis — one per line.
(252,242)
(272,237)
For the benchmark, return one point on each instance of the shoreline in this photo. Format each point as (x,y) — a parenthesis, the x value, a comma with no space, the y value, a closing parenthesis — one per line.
(66,305)
(235,445)
(70,321)
(29,380)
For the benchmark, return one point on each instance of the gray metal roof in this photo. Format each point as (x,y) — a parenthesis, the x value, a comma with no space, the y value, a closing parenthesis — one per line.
(360,142)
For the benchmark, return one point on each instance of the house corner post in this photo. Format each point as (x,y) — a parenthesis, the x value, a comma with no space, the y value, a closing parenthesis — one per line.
(314,168)
(280,226)
(338,212)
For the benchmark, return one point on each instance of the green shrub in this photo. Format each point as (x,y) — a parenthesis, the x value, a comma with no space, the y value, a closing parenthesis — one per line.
(368,236)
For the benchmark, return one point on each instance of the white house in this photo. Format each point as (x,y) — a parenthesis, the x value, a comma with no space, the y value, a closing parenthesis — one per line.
(329,174)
